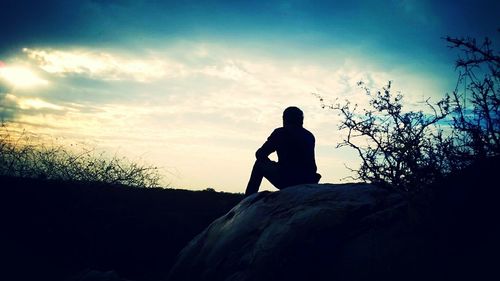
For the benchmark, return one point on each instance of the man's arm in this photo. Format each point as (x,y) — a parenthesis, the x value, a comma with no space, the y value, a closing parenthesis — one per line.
(267,148)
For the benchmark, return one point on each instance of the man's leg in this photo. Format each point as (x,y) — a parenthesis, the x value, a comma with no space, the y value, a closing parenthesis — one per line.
(263,168)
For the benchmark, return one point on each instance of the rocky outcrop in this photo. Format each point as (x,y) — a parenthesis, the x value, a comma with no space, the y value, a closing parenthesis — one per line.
(355,232)
(308,232)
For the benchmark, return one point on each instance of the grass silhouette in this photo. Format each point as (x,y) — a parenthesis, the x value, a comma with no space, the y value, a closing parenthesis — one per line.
(27,155)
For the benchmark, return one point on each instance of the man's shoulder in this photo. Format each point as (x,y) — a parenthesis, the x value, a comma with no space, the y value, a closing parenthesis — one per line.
(277,133)
(279,130)
(308,133)
(293,130)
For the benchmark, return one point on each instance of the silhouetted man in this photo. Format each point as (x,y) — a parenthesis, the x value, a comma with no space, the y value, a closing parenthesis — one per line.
(295,148)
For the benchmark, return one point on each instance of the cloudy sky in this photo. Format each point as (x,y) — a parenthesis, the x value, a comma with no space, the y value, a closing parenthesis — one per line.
(195,87)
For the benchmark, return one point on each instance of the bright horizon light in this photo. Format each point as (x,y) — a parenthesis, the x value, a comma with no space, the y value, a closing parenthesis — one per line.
(197,88)
(21,77)
(194,110)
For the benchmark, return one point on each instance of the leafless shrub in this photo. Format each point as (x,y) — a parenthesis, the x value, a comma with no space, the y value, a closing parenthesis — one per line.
(26,155)
(409,150)
(476,99)
(398,149)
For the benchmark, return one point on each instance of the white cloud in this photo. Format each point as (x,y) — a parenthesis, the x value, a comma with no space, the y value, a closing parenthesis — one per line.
(35,103)
(228,70)
(102,65)
(21,77)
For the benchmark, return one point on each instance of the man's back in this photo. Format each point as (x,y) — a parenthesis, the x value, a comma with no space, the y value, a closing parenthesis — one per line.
(295,148)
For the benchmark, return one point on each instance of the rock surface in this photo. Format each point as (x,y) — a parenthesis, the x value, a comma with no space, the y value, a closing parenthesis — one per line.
(308,232)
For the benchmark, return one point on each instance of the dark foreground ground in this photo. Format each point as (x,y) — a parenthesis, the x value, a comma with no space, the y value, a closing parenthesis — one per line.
(59,230)
(54,231)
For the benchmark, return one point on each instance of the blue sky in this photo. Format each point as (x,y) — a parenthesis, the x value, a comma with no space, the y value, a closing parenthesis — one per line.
(196,86)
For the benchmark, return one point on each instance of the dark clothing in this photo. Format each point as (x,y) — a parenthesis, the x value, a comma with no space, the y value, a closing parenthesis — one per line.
(296,164)
(264,169)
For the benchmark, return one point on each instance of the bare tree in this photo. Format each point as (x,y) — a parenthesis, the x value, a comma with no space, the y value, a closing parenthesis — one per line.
(476,99)
(409,150)
(398,149)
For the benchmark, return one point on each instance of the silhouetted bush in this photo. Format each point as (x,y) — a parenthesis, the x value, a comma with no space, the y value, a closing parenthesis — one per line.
(476,108)
(409,150)
(402,150)
(26,155)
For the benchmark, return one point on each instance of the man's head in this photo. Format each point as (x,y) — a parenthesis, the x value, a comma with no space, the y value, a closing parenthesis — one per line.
(293,116)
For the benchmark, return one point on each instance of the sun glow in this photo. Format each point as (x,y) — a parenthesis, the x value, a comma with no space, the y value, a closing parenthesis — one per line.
(21,77)
(38,104)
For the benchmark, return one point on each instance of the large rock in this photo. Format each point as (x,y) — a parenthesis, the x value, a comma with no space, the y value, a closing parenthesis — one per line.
(310,232)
